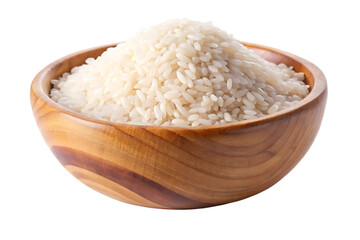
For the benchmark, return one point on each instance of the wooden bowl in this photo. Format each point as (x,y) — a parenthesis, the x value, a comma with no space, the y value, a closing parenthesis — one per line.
(176,167)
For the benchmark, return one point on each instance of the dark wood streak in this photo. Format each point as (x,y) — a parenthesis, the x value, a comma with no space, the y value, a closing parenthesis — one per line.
(206,149)
(126,178)
(207,157)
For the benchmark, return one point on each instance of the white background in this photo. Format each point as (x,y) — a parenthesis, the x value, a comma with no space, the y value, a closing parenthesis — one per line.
(319,199)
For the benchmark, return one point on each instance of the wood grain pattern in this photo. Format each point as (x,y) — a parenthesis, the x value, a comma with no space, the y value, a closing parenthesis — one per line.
(174,167)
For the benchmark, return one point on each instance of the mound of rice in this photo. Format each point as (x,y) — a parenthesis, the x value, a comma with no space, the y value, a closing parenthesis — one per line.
(181,73)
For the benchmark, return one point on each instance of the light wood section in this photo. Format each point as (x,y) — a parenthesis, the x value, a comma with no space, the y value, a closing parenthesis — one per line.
(173,167)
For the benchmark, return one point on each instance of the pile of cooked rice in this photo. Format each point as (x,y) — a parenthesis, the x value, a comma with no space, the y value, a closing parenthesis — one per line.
(181,73)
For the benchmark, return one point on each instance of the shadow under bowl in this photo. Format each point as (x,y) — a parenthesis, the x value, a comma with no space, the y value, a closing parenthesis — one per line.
(177,167)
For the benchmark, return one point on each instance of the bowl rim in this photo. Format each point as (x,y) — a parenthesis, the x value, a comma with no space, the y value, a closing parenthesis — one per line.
(319,87)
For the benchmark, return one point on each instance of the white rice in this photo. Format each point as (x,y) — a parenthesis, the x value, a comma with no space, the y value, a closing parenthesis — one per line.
(181,73)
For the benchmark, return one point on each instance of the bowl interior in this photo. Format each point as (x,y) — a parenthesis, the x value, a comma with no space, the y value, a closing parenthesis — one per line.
(63,65)
(59,67)
(313,77)
(277,57)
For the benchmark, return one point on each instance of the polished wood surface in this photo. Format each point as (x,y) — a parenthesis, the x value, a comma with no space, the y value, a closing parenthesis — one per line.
(174,167)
